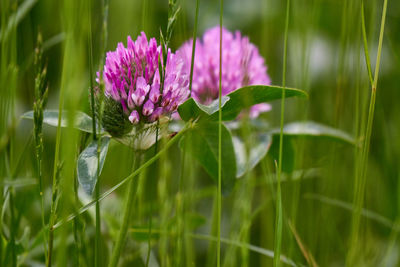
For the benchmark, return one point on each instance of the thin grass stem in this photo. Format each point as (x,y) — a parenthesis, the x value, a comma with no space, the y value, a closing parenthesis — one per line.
(194,45)
(278,221)
(359,188)
(219,197)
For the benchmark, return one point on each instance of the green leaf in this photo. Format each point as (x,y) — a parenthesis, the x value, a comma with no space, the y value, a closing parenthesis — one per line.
(87,164)
(202,142)
(248,96)
(287,152)
(313,129)
(261,144)
(235,102)
(193,109)
(82,121)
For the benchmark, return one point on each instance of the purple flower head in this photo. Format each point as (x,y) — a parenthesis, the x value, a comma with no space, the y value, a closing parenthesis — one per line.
(132,80)
(241,65)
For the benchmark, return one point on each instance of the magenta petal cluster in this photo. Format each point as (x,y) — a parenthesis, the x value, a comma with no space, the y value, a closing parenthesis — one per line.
(131,77)
(242,65)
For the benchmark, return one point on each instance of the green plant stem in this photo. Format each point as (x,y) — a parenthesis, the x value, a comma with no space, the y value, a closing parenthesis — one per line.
(278,222)
(360,183)
(214,225)
(97,252)
(98,218)
(219,197)
(193,45)
(180,212)
(104,31)
(129,200)
(54,182)
(12,228)
(364,34)
(151,203)
(40,176)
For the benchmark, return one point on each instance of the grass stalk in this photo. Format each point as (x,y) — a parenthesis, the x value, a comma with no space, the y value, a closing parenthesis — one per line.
(359,188)
(194,45)
(214,225)
(180,212)
(219,197)
(163,200)
(104,31)
(278,219)
(41,92)
(151,203)
(98,253)
(52,218)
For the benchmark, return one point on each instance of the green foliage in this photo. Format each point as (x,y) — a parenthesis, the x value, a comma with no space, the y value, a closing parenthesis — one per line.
(315,130)
(192,109)
(87,165)
(82,121)
(340,149)
(248,158)
(202,143)
(236,101)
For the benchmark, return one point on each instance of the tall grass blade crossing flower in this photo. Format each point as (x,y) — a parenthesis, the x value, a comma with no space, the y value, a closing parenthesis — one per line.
(278,221)
(242,65)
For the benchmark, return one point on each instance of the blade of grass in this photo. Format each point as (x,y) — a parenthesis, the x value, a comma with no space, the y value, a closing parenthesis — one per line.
(16,18)
(187,197)
(180,213)
(194,45)
(52,217)
(364,35)
(306,253)
(97,251)
(104,30)
(360,182)
(41,92)
(219,197)
(350,207)
(151,203)
(278,222)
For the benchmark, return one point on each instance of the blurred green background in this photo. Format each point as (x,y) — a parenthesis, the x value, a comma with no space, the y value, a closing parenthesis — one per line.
(325,58)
